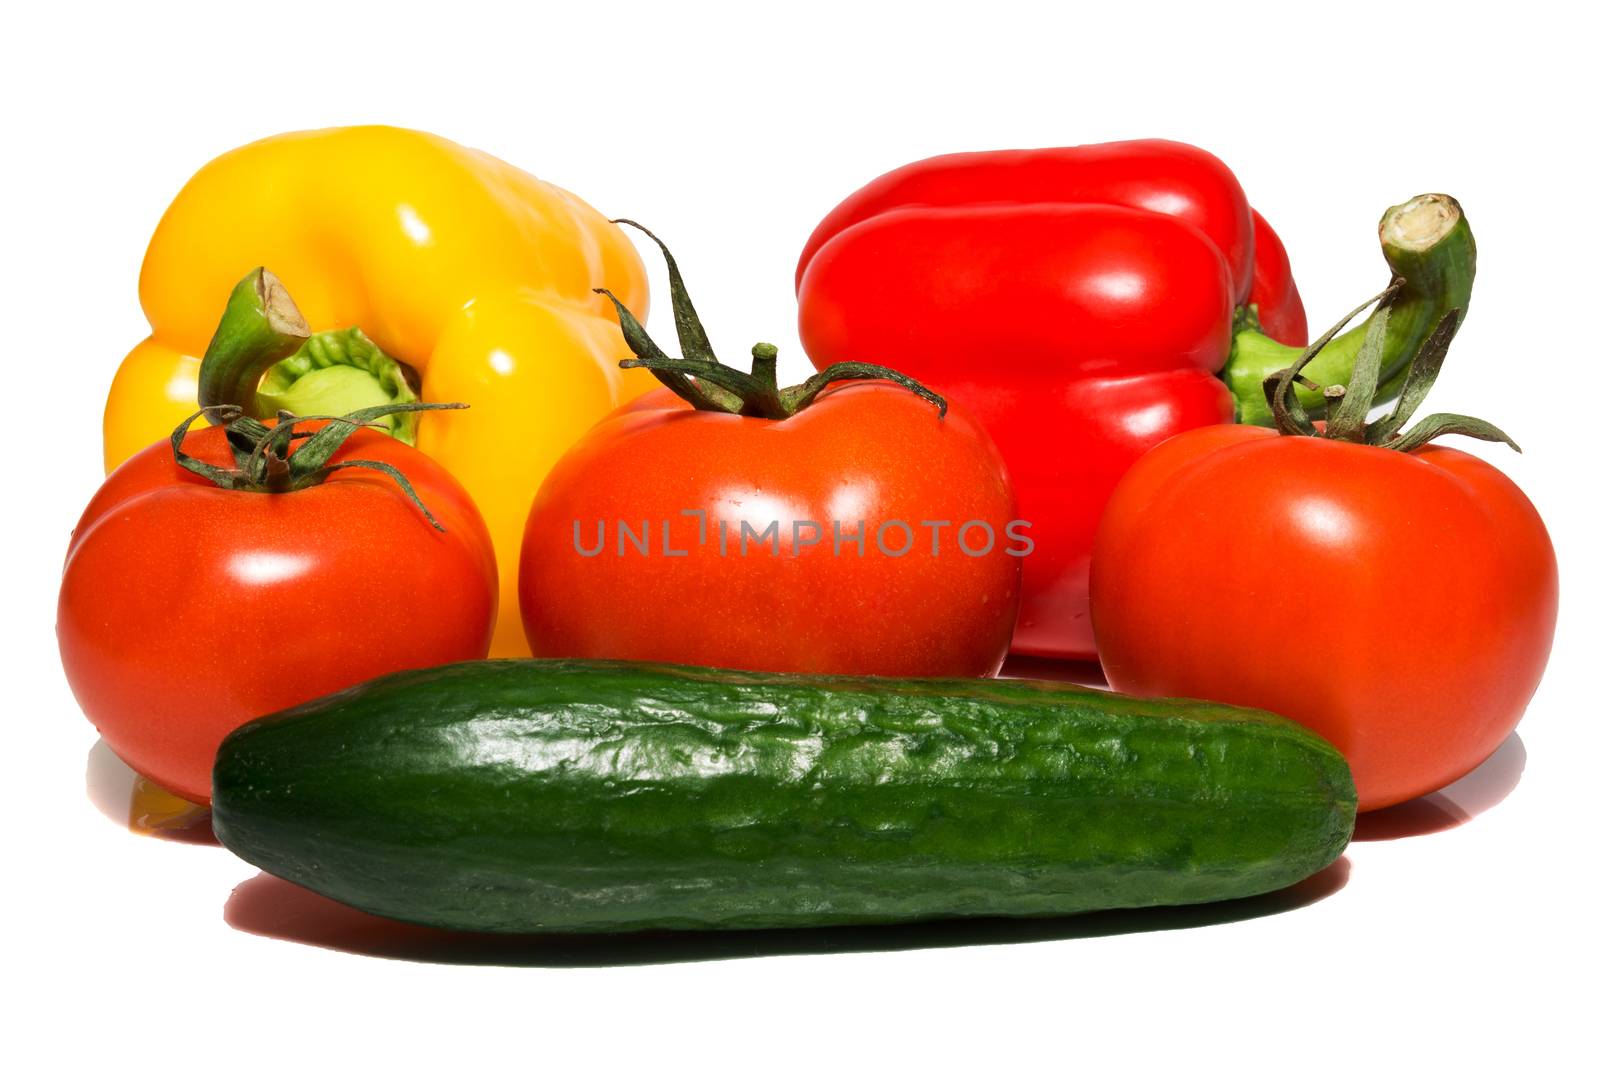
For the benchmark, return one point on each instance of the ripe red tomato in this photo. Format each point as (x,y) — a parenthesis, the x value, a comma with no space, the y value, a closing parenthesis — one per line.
(867,453)
(187,609)
(1400,604)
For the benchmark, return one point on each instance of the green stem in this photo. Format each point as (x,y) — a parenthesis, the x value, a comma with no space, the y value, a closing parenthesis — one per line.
(767,401)
(266,459)
(764,364)
(260,326)
(264,360)
(339,371)
(709,385)
(692,340)
(1426,241)
(1349,406)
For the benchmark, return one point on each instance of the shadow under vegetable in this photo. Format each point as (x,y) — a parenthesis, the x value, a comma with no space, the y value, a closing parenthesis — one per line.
(270,907)
(126,797)
(1460,801)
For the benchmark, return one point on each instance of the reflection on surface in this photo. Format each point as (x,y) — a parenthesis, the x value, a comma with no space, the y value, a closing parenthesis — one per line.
(128,799)
(268,568)
(270,907)
(1055,670)
(1323,521)
(1456,803)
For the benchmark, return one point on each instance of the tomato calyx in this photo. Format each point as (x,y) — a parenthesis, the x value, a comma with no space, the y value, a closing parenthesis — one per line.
(1425,240)
(264,359)
(265,461)
(1349,405)
(707,384)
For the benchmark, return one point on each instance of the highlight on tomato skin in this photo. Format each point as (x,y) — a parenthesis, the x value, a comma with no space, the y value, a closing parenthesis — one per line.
(1397,596)
(187,609)
(867,459)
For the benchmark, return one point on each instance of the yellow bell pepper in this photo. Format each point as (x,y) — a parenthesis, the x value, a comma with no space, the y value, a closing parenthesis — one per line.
(474,275)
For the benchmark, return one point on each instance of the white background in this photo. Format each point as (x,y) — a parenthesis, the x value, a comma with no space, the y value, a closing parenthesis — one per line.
(731,132)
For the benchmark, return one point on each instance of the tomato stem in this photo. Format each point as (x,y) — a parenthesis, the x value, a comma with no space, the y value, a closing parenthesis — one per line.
(764,365)
(266,461)
(1349,405)
(709,385)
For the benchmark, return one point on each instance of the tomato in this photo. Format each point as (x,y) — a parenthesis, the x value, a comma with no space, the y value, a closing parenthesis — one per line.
(1401,604)
(861,528)
(869,456)
(187,609)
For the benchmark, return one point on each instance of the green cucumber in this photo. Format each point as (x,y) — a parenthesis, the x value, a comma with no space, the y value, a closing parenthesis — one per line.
(563,795)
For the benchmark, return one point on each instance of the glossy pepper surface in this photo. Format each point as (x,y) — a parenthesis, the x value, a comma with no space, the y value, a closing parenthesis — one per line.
(472,279)
(1079,301)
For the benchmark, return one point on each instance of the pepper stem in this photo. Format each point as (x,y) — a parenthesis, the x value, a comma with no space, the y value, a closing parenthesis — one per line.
(260,326)
(264,359)
(708,385)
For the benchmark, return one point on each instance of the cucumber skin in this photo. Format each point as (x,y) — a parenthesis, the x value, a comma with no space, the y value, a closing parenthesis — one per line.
(582,796)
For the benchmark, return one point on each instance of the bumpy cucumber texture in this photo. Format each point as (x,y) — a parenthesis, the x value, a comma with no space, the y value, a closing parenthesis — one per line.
(549,795)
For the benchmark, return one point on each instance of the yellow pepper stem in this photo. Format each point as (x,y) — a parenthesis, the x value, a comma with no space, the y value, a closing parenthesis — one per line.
(264,359)
(260,326)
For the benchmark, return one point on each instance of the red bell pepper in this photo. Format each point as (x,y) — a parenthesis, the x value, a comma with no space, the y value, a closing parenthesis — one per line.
(1272,289)
(1079,301)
